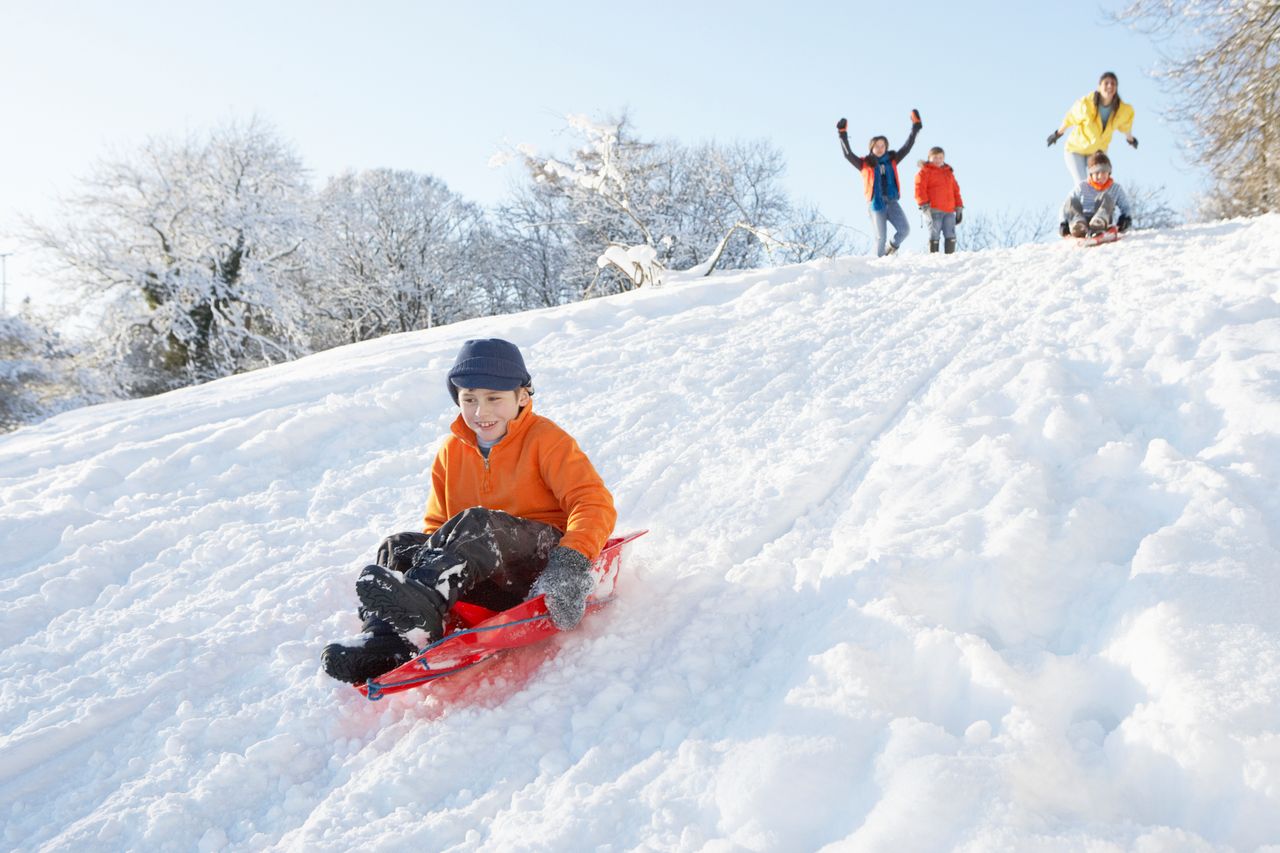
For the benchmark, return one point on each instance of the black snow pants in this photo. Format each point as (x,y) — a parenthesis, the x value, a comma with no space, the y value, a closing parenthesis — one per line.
(504,554)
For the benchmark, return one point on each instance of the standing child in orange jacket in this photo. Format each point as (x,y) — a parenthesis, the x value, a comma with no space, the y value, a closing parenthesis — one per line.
(516,510)
(938,195)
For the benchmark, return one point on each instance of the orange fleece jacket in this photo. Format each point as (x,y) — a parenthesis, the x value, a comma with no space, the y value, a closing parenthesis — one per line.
(537,471)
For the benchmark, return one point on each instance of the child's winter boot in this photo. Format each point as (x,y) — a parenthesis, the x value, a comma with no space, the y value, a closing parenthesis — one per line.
(419,598)
(1078,228)
(950,246)
(377,649)
(933,246)
(1099,222)
(402,600)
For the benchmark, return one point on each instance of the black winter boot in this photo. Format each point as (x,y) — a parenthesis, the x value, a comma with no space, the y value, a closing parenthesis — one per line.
(950,246)
(403,600)
(933,246)
(378,649)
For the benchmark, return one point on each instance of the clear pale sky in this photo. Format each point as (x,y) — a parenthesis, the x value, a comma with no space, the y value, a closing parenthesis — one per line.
(438,87)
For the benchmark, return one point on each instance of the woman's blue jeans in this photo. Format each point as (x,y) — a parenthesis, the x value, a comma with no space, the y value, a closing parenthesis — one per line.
(892,213)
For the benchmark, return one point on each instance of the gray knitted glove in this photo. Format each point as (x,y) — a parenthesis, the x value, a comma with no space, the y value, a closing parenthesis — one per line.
(566,582)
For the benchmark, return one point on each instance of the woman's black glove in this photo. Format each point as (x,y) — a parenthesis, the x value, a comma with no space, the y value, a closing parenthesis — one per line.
(916,124)
(1054,137)
(959,215)
(566,582)
(842,126)
(1133,141)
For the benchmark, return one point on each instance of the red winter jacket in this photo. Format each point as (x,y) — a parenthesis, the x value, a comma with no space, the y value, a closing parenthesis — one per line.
(936,186)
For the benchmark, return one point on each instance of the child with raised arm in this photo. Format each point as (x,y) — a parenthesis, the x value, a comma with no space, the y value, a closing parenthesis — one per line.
(880,182)
(516,510)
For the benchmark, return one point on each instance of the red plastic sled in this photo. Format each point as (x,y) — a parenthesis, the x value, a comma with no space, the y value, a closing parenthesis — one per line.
(1110,235)
(481,633)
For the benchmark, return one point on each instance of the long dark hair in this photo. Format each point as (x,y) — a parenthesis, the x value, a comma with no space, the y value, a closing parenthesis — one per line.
(872,144)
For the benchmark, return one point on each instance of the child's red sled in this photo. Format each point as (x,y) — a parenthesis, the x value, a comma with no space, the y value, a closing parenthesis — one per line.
(481,633)
(1109,235)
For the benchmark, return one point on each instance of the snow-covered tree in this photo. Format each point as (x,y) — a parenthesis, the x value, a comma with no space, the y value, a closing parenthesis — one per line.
(22,370)
(809,235)
(533,248)
(625,210)
(190,250)
(395,251)
(37,373)
(728,194)
(1222,68)
(604,192)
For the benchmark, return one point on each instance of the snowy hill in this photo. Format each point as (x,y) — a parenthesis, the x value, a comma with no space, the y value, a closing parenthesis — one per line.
(971,552)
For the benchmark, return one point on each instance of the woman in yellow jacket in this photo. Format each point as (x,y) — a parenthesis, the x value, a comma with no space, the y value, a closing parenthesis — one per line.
(1094,118)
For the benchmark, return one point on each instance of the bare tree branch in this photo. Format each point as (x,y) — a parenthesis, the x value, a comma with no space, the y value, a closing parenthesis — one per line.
(1221,65)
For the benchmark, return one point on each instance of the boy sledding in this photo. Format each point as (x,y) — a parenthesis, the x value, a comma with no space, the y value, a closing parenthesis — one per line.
(1097,210)
(516,510)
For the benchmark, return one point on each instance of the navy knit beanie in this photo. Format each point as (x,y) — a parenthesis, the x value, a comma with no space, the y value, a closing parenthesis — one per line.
(488,363)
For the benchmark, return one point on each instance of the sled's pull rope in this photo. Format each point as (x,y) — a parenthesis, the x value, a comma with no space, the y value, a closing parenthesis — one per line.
(482,628)
(376,690)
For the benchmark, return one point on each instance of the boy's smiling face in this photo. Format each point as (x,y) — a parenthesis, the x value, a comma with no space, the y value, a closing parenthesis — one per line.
(488,412)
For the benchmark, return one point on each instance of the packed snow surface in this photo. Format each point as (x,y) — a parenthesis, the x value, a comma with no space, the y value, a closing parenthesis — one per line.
(973,552)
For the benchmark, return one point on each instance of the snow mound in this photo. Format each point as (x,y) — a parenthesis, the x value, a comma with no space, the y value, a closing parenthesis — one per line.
(963,552)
